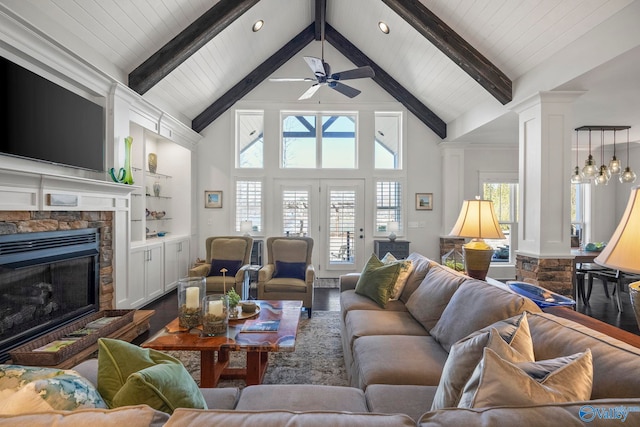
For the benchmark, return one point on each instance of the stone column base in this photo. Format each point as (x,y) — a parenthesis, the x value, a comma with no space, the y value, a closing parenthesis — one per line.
(550,273)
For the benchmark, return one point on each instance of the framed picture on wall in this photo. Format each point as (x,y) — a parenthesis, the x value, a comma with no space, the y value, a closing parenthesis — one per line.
(424,201)
(213,199)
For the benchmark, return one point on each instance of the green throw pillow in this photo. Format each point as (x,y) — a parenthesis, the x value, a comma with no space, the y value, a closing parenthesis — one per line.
(130,375)
(377,280)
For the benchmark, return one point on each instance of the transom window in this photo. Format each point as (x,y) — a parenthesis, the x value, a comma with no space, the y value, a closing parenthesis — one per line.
(330,146)
(250,139)
(388,140)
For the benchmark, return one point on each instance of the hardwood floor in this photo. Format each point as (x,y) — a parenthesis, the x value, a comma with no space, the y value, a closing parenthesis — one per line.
(328,299)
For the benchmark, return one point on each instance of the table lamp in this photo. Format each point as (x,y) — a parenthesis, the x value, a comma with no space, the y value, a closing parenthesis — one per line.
(478,221)
(246,227)
(392,227)
(621,253)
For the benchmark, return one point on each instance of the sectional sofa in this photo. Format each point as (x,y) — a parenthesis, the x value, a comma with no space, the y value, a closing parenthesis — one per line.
(447,350)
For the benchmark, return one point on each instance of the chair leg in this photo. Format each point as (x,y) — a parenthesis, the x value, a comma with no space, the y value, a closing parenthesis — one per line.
(580,288)
(309,312)
(605,284)
(589,286)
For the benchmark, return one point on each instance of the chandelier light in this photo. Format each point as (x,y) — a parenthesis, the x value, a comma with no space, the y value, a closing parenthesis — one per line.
(602,178)
(614,163)
(602,175)
(628,176)
(589,170)
(576,178)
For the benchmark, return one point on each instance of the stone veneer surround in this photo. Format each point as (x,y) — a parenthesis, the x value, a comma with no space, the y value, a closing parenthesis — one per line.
(16,222)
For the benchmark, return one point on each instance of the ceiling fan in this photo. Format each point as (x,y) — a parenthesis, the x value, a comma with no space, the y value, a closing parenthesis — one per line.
(323,77)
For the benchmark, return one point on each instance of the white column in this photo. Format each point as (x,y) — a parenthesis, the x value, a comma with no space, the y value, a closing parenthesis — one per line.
(545,136)
(452,186)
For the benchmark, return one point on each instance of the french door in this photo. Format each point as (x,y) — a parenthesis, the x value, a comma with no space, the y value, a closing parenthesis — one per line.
(329,211)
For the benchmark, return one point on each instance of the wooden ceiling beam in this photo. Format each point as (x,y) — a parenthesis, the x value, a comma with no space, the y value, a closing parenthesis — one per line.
(321,13)
(388,83)
(455,47)
(253,79)
(182,46)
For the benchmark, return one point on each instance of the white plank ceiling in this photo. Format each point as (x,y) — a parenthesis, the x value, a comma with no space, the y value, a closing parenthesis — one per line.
(118,35)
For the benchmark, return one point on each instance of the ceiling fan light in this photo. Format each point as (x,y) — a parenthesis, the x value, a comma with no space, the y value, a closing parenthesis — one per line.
(383,27)
(257,26)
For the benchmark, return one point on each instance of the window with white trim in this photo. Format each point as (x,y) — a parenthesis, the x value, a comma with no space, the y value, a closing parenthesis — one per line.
(504,194)
(306,146)
(388,140)
(388,205)
(578,218)
(250,139)
(295,212)
(249,204)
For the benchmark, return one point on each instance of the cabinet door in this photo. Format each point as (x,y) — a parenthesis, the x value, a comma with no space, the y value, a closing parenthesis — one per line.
(135,292)
(176,263)
(154,271)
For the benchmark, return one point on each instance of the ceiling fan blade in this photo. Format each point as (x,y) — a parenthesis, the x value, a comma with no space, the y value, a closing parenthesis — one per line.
(356,73)
(310,92)
(344,89)
(292,79)
(316,66)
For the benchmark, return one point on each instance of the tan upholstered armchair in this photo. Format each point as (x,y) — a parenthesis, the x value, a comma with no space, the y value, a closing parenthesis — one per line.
(230,252)
(289,275)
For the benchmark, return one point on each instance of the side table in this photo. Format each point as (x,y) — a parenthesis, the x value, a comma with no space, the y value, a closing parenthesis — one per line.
(250,283)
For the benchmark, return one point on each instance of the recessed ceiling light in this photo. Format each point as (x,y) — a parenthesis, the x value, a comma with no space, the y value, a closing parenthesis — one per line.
(383,27)
(258,25)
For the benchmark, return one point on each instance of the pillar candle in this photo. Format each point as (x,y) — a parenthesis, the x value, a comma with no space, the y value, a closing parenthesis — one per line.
(193,297)
(215,308)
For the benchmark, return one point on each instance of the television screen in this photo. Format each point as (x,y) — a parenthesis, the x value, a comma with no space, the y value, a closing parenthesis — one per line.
(42,120)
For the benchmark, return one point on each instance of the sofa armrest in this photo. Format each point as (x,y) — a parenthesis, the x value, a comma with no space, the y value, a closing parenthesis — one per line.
(310,275)
(348,281)
(200,270)
(266,273)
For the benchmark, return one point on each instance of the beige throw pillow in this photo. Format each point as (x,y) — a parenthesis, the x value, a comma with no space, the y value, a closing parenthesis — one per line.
(406,267)
(511,339)
(498,382)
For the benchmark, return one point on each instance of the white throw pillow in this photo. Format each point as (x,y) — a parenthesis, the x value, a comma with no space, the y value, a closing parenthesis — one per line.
(406,267)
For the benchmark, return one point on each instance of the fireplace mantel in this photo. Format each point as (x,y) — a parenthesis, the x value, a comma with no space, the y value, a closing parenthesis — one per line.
(47,191)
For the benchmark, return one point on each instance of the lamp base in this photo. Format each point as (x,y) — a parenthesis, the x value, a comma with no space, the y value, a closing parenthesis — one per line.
(477,261)
(634,293)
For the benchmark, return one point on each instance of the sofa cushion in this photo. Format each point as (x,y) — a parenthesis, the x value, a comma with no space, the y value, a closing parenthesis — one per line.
(131,416)
(428,302)
(474,305)
(467,353)
(397,359)
(377,279)
(498,382)
(421,266)
(612,358)
(34,389)
(194,417)
(359,323)
(578,414)
(130,375)
(349,301)
(406,267)
(400,399)
(296,397)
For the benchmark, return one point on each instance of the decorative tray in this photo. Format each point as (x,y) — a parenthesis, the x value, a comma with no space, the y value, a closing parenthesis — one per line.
(242,315)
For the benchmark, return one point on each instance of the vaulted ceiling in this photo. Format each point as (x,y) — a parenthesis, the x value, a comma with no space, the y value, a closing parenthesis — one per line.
(443,59)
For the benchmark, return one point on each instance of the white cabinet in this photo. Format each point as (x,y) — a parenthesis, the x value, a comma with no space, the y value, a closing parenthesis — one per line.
(176,261)
(146,274)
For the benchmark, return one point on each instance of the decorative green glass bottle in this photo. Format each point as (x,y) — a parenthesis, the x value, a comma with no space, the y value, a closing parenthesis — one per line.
(124,174)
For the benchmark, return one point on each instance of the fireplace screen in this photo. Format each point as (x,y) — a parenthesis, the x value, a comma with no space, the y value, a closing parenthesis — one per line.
(46,280)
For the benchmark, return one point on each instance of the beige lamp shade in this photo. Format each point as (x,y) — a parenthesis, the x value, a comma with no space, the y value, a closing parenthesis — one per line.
(477,220)
(623,250)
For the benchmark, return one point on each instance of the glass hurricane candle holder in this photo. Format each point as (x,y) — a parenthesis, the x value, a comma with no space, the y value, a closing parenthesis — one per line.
(215,315)
(191,291)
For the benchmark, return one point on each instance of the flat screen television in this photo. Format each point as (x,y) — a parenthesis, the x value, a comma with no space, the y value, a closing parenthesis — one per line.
(44,121)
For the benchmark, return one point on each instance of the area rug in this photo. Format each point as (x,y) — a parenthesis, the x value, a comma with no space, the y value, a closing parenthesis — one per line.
(317,358)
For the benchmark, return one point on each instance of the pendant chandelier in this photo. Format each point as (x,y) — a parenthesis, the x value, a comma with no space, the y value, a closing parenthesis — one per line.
(601,175)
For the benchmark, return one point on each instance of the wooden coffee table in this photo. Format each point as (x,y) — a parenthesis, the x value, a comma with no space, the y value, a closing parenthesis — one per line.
(257,345)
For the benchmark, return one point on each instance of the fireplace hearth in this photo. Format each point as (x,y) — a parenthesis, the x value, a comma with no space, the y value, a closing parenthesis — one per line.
(47,279)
